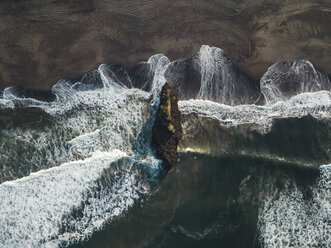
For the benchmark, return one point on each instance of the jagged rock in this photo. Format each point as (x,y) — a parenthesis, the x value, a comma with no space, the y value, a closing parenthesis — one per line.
(167,130)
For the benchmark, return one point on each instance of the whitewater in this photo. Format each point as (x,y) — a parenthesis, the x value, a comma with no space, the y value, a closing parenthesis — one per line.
(84,158)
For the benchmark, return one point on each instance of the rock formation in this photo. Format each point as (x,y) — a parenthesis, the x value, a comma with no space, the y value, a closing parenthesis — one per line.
(167,130)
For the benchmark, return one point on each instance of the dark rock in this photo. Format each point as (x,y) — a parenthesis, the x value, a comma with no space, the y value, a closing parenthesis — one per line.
(167,130)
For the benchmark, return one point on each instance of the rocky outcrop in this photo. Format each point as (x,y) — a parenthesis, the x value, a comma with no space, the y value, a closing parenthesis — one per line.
(167,130)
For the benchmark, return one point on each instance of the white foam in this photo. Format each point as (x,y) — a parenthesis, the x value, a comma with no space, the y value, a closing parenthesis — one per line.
(36,210)
(100,120)
(5,103)
(33,208)
(216,81)
(88,124)
(9,99)
(159,64)
(283,80)
(318,104)
(290,220)
(69,95)
(85,126)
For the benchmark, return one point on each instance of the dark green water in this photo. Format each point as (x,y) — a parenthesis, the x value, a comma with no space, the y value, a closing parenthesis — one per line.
(254,189)
(206,202)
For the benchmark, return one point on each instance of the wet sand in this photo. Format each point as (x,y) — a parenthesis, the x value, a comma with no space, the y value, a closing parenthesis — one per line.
(41,42)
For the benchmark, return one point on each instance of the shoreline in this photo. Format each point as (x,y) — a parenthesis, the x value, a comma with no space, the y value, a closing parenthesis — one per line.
(42,43)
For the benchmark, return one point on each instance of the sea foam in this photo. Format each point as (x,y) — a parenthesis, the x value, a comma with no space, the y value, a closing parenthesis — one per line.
(34,208)
(291,220)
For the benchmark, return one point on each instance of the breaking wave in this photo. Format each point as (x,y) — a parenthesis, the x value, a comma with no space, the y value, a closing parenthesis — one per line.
(290,220)
(75,158)
(317,104)
(66,203)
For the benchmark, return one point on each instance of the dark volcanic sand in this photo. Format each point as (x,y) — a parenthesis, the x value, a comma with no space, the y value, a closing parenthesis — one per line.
(43,41)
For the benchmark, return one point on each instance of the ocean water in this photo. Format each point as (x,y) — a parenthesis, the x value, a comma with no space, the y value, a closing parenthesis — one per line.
(228,202)
(253,170)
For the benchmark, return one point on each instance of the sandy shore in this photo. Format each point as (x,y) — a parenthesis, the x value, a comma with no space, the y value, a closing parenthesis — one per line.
(41,43)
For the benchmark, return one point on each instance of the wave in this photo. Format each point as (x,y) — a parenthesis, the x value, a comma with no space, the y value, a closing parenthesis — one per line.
(286,79)
(37,140)
(210,200)
(317,104)
(95,113)
(72,164)
(39,210)
(78,156)
(296,131)
(103,87)
(291,221)
(209,75)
